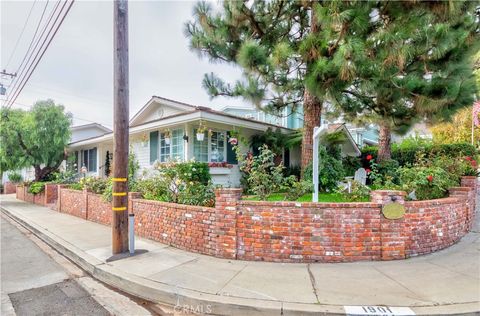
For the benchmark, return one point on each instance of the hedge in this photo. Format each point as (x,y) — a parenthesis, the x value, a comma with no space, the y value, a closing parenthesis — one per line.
(407,155)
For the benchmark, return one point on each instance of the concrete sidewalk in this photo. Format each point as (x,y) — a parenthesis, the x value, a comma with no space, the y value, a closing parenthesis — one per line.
(447,282)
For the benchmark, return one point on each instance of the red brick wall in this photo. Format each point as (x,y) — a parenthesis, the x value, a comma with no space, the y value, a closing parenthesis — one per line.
(308,232)
(9,188)
(99,211)
(290,231)
(73,202)
(183,226)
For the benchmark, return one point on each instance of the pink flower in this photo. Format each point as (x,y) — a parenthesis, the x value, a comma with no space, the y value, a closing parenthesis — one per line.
(369,157)
(233,141)
(368,170)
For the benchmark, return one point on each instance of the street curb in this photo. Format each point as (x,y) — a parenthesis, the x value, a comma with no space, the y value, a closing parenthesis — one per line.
(181,297)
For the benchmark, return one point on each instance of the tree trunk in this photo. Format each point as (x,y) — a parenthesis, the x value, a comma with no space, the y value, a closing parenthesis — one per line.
(312,111)
(384,143)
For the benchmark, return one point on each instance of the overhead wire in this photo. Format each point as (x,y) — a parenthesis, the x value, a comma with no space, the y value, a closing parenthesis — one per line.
(41,51)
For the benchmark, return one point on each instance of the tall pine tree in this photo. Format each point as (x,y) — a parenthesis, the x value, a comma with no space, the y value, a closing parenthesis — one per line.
(291,52)
(418,66)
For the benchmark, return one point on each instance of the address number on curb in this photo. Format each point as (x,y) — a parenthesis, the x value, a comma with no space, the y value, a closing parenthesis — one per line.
(378,310)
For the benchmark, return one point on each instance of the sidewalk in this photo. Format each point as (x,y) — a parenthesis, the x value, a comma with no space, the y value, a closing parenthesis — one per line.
(446,282)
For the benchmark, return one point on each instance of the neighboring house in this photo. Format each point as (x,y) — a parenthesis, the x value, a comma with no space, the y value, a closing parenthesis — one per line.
(150,126)
(419,130)
(81,132)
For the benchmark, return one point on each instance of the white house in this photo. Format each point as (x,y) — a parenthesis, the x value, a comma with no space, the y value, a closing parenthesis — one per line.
(151,126)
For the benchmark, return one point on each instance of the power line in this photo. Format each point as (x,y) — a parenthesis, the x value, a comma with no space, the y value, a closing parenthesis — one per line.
(21,34)
(34,36)
(23,64)
(24,82)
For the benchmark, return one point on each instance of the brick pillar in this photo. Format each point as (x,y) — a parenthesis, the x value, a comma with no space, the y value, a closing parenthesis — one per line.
(131,196)
(467,191)
(469,181)
(392,231)
(225,231)
(59,197)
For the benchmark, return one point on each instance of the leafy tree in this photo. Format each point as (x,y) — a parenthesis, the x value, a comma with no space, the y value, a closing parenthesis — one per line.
(418,65)
(35,138)
(291,53)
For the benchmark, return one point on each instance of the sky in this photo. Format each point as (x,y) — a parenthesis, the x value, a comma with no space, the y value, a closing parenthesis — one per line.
(77,69)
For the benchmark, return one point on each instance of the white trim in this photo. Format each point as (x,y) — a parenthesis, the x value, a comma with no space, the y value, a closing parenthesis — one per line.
(160,101)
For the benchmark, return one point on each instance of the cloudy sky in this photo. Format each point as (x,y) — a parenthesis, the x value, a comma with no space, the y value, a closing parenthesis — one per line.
(77,69)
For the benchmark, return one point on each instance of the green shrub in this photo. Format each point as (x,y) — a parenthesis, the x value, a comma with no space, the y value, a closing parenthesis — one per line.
(15,177)
(427,182)
(197,194)
(66,177)
(94,184)
(330,171)
(76,186)
(407,153)
(294,189)
(36,187)
(154,188)
(350,165)
(358,192)
(264,177)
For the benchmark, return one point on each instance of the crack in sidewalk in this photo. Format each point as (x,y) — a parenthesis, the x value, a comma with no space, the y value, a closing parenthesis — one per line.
(314,282)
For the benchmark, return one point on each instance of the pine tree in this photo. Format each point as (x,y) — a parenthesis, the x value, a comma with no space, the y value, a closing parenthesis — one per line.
(418,66)
(291,52)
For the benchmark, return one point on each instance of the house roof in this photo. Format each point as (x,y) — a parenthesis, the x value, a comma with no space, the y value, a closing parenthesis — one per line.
(341,126)
(194,113)
(85,126)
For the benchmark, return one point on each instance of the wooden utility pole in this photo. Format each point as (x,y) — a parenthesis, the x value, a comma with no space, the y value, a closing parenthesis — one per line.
(120,128)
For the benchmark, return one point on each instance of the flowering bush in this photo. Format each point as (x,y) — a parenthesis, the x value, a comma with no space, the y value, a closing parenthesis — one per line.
(261,173)
(223,164)
(426,182)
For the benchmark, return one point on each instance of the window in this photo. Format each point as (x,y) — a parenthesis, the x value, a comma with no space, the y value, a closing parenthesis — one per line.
(90,159)
(213,148)
(164,149)
(200,148)
(163,152)
(217,147)
(177,144)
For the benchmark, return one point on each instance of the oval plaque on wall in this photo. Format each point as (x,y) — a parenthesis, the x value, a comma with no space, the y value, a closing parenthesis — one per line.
(393,210)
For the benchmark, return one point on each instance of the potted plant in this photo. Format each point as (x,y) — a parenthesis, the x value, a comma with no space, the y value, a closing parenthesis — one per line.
(233,138)
(201,132)
(168,136)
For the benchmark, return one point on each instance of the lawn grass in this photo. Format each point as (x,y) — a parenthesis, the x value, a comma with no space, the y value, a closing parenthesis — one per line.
(322,197)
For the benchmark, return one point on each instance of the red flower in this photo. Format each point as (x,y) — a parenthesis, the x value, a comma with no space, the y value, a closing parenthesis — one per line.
(430,178)
(367,170)
(369,157)
(474,163)
(468,158)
